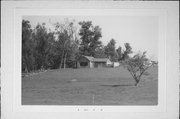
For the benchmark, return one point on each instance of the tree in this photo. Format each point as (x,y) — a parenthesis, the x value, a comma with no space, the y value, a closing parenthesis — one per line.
(110,50)
(40,36)
(137,66)
(100,52)
(73,54)
(128,50)
(51,51)
(119,53)
(66,42)
(90,38)
(28,58)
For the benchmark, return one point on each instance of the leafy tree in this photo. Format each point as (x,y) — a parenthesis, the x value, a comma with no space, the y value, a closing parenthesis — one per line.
(128,50)
(27,47)
(100,52)
(40,36)
(137,66)
(67,41)
(119,53)
(51,48)
(73,54)
(90,38)
(110,50)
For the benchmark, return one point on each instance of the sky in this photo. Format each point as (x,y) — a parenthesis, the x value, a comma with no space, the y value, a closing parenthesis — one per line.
(140,31)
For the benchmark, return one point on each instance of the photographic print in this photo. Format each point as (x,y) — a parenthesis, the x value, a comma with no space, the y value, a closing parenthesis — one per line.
(89,60)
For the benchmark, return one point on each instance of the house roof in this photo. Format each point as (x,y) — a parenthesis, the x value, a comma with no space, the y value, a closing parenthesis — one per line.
(100,59)
(89,58)
(96,59)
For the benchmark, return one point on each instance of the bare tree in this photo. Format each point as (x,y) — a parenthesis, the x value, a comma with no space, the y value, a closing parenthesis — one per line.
(137,66)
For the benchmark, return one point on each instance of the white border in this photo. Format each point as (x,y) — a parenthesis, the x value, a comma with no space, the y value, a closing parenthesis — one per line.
(166,11)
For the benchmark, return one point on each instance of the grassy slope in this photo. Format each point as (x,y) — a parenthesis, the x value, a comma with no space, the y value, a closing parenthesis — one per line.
(108,86)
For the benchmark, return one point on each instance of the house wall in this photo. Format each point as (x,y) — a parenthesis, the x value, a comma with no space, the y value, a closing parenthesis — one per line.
(80,66)
(82,59)
(108,62)
(116,64)
(91,64)
(99,64)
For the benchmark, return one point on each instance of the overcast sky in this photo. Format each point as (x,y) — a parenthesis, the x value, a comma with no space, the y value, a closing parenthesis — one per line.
(140,31)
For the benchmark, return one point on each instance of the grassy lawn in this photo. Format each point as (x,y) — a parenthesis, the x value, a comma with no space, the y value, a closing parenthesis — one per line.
(96,86)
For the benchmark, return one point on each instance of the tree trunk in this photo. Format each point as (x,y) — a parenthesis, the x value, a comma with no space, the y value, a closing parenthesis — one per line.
(137,81)
(26,69)
(62,60)
(26,65)
(60,66)
(76,64)
(65,60)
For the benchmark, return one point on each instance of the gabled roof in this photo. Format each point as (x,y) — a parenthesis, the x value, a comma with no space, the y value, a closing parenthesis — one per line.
(89,58)
(96,59)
